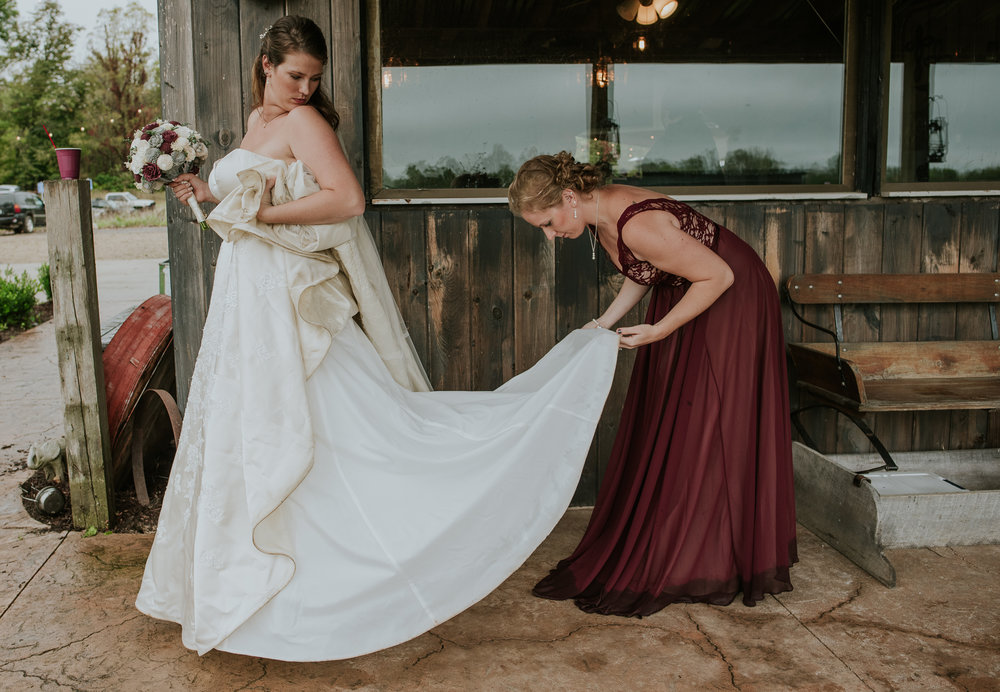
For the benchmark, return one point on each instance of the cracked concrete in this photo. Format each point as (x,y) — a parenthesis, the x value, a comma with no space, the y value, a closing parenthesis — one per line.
(67,619)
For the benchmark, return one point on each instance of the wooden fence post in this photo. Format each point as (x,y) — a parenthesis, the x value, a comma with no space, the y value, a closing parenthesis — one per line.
(78,338)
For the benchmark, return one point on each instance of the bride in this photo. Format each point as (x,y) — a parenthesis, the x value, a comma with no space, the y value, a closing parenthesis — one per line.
(323,504)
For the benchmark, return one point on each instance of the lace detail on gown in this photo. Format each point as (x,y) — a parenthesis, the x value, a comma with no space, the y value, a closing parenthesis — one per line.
(696,225)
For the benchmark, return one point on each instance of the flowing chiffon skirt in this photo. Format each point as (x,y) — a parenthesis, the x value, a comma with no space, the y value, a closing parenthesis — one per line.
(697,501)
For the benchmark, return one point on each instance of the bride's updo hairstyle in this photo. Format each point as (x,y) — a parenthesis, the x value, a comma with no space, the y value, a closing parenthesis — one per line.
(289,35)
(540,181)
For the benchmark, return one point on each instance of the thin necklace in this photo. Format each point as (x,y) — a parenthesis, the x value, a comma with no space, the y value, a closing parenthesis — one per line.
(268,122)
(593,230)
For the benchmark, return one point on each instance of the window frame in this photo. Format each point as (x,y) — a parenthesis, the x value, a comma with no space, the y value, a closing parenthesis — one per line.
(864,144)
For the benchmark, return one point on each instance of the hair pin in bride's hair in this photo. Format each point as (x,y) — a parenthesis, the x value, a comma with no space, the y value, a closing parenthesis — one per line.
(265,32)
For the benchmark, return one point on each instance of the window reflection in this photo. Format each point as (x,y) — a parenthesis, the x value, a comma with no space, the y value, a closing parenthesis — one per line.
(712,94)
(944,92)
(728,124)
(473,125)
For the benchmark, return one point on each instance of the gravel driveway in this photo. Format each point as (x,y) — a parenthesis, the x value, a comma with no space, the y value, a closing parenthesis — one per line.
(149,242)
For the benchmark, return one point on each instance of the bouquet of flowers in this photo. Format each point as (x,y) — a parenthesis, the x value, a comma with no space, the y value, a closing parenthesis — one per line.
(163,150)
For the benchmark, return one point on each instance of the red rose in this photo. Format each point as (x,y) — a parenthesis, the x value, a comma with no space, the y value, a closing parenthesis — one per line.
(146,135)
(168,137)
(151,171)
(150,126)
(138,178)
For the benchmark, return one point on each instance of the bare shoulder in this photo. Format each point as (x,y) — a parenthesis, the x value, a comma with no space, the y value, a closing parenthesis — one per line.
(307,117)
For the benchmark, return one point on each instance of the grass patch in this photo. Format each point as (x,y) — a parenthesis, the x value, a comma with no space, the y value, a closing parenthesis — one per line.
(154,216)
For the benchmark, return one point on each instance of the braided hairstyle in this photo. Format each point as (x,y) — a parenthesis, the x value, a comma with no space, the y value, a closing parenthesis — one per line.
(540,181)
(292,34)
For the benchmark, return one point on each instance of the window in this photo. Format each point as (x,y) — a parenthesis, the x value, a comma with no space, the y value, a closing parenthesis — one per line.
(944,95)
(717,94)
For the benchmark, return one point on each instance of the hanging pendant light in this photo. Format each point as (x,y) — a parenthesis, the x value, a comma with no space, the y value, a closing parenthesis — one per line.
(646,12)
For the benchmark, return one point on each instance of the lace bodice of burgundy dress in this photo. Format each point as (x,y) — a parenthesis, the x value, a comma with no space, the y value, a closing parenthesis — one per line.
(696,225)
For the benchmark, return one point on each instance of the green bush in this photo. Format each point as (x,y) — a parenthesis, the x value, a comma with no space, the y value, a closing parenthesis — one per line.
(17,299)
(45,280)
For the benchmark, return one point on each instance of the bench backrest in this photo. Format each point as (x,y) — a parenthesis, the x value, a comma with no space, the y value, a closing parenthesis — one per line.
(894,288)
(847,289)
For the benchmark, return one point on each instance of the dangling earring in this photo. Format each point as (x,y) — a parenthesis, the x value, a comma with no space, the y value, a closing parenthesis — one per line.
(574,212)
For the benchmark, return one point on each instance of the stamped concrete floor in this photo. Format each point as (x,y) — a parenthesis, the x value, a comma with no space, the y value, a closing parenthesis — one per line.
(71,625)
(67,619)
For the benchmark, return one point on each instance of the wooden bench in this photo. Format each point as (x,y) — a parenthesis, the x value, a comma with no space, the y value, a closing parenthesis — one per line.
(858,377)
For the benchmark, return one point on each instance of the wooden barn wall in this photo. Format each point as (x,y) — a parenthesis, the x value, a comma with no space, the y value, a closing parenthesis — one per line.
(485,295)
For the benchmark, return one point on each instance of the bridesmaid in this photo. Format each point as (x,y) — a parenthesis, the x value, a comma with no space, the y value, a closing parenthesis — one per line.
(697,501)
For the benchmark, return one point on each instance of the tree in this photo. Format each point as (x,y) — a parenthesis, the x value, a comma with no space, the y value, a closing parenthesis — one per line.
(122,79)
(39,89)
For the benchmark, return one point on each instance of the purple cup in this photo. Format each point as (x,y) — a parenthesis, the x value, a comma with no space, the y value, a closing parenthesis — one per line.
(68,159)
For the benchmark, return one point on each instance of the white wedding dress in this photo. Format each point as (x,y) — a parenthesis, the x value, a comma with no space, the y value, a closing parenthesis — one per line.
(318,508)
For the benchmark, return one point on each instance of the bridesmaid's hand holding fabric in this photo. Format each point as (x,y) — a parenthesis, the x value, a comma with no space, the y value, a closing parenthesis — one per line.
(639,335)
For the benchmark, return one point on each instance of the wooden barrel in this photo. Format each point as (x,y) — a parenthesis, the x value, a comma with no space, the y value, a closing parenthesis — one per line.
(139,356)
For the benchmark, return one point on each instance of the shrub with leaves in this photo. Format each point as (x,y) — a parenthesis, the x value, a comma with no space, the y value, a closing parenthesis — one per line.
(17,299)
(45,280)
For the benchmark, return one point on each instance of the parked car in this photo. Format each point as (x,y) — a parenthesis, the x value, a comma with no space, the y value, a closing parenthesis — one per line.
(9,188)
(21,211)
(98,207)
(126,201)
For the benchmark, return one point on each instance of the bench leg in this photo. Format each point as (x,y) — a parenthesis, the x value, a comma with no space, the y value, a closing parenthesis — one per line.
(890,465)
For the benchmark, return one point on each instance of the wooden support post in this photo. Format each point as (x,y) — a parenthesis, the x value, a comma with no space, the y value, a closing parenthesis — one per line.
(78,338)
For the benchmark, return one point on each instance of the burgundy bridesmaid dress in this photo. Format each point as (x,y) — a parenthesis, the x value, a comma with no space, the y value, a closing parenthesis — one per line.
(697,501)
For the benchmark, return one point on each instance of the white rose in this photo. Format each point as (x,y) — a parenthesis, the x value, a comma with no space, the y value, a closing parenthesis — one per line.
(179,143)
(164,162)
(184,131)
(200,149)
(141,146)
(189,154)
(137,164)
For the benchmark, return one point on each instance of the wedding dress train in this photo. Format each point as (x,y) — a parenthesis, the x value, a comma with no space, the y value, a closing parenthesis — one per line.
(320,506)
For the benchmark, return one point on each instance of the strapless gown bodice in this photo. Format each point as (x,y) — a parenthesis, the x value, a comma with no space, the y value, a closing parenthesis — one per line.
(223,179)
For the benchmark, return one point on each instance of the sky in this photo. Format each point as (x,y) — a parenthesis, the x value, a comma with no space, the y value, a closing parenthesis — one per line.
(84,13)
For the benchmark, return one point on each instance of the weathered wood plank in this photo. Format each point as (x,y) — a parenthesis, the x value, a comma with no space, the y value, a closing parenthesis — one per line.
(936,322)
(346,81)
(824,252)
(901,254)
(73,275)
(491,339)
(862,254)
(255,17)
(448,299)
(188,267)
(534,289)
(978,245)
(404,257)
